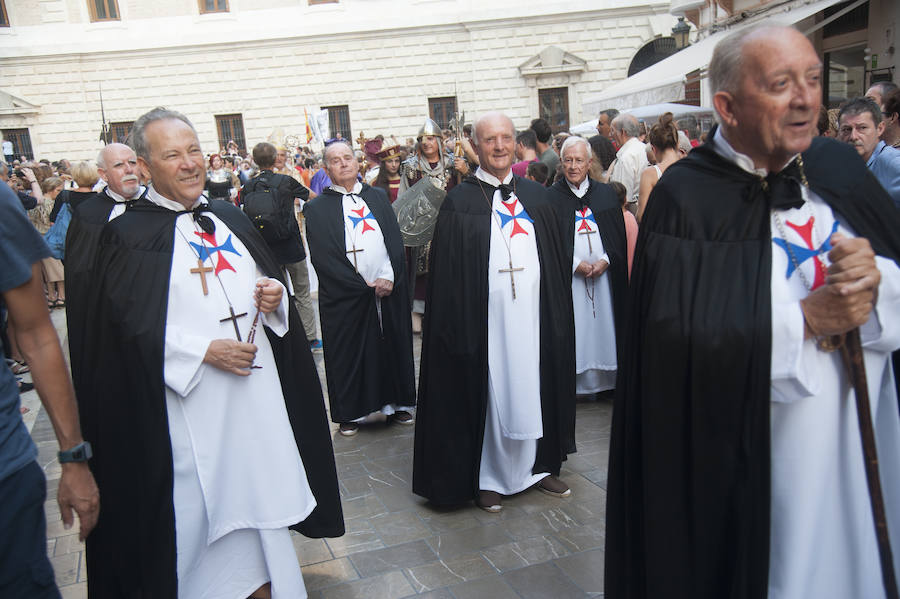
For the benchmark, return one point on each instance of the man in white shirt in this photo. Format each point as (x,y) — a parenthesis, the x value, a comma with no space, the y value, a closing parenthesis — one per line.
(631,159)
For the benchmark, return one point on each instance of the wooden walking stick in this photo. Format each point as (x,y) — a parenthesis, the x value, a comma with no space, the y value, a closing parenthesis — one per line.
(852,354)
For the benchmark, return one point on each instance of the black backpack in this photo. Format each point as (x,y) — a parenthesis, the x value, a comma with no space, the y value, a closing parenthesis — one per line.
(273,218)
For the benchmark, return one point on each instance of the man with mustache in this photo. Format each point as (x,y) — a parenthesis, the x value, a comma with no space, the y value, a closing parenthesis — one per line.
(209,430)
(861,126)
(117,165)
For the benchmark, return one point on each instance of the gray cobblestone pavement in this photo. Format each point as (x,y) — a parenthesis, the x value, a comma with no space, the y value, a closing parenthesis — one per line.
(397,545)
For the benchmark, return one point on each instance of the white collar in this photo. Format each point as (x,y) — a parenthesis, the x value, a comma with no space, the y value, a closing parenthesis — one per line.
(357,187)
(581,189)
(120,199)
(155,197)
(490,179)
(727,151)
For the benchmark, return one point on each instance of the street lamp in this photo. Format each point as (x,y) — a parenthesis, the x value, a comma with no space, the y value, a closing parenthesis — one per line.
(681,31)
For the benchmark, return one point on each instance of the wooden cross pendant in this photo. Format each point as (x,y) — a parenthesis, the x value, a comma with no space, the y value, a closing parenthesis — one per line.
(233,318)
(588,233)
(512,280)
(355,251)
(202,270)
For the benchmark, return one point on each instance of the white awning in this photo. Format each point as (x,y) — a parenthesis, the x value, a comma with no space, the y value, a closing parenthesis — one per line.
(664,81)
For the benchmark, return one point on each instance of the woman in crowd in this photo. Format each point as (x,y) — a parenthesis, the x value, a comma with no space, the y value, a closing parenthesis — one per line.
(631,226)
(663,136)
(604,155)
(220,183)
(51,268)
(85,176)
(388,177)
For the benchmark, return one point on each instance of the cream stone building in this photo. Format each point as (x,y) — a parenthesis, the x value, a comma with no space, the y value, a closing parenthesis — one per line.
(250,70)
(857,40)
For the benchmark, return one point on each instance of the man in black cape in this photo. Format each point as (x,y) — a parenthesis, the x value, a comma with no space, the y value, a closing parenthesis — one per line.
(468,300)
(363,297)
(117,165)
(132,552)
(719,479)
(589,210)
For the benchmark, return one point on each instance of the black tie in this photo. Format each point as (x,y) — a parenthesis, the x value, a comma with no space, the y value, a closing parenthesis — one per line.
(505,191)
(784,187)
(205,222)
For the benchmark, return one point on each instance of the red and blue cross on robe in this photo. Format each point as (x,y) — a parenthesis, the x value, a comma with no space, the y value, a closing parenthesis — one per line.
(802,253)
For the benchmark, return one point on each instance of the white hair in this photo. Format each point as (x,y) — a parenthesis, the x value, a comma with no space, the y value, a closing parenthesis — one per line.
(574,140)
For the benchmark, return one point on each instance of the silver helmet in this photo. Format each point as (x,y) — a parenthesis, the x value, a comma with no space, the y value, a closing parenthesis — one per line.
(429,128)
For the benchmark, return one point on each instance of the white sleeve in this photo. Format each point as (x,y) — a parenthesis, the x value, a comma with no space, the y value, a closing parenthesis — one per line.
(277,320)
(183,359)
(793,371)
(386,271)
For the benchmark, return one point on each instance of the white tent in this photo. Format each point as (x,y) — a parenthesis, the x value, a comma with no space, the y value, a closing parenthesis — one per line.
(650,114)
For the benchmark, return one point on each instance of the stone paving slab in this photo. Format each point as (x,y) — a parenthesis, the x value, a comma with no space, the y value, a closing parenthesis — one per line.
(397,544)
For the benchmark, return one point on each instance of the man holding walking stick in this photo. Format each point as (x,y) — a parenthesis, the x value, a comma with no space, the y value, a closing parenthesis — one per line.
(737,463)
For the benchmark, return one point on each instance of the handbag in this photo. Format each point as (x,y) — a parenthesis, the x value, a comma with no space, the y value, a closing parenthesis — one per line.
(55,237)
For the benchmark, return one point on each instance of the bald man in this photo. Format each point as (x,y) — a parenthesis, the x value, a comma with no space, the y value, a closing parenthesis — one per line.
(496,391)
(736,466)
(117,166)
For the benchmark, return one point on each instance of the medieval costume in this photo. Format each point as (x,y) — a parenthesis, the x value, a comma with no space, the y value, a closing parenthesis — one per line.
(598,302)
(497,380)
(353,240)
(188,505)
(736,465)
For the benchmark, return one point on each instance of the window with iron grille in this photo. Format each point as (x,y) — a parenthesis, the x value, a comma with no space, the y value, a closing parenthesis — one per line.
(104,10)
(21,141)
(554,107)
(118,132)
(213,6)
(231,127)
(442,110)
(339,121)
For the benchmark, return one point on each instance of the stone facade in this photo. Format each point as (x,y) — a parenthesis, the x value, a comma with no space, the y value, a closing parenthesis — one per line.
(268,60)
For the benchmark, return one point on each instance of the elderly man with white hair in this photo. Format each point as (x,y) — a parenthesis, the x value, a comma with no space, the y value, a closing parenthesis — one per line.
(118,168)
(631,159)
(594,231)
(736,456)
(496,408)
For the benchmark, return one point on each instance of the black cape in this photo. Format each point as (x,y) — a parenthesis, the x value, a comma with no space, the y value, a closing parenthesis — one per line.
(82,241)
(453,377)
(689,490)
(366,368)
(607,210)
(131,552)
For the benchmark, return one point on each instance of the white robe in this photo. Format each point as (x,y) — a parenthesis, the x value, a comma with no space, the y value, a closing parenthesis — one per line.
(595,329)
(514,422)
(238,477)
(822,535)
(362,232)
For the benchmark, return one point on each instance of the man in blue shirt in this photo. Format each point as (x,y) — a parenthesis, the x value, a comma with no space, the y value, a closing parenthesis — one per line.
(25,571)
(861,126)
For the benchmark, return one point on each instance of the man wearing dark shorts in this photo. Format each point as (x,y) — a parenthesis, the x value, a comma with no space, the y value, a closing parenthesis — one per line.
(25,571)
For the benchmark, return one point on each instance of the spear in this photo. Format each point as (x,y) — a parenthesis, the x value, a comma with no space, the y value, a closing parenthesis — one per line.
(104,131)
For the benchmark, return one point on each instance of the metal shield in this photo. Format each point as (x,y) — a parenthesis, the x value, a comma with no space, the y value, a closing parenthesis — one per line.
(417,211)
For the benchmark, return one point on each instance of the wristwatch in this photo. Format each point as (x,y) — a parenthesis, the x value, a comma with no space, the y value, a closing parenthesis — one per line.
(80,453)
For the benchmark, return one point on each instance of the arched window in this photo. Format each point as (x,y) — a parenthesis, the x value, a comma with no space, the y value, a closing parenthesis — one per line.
(651,53)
